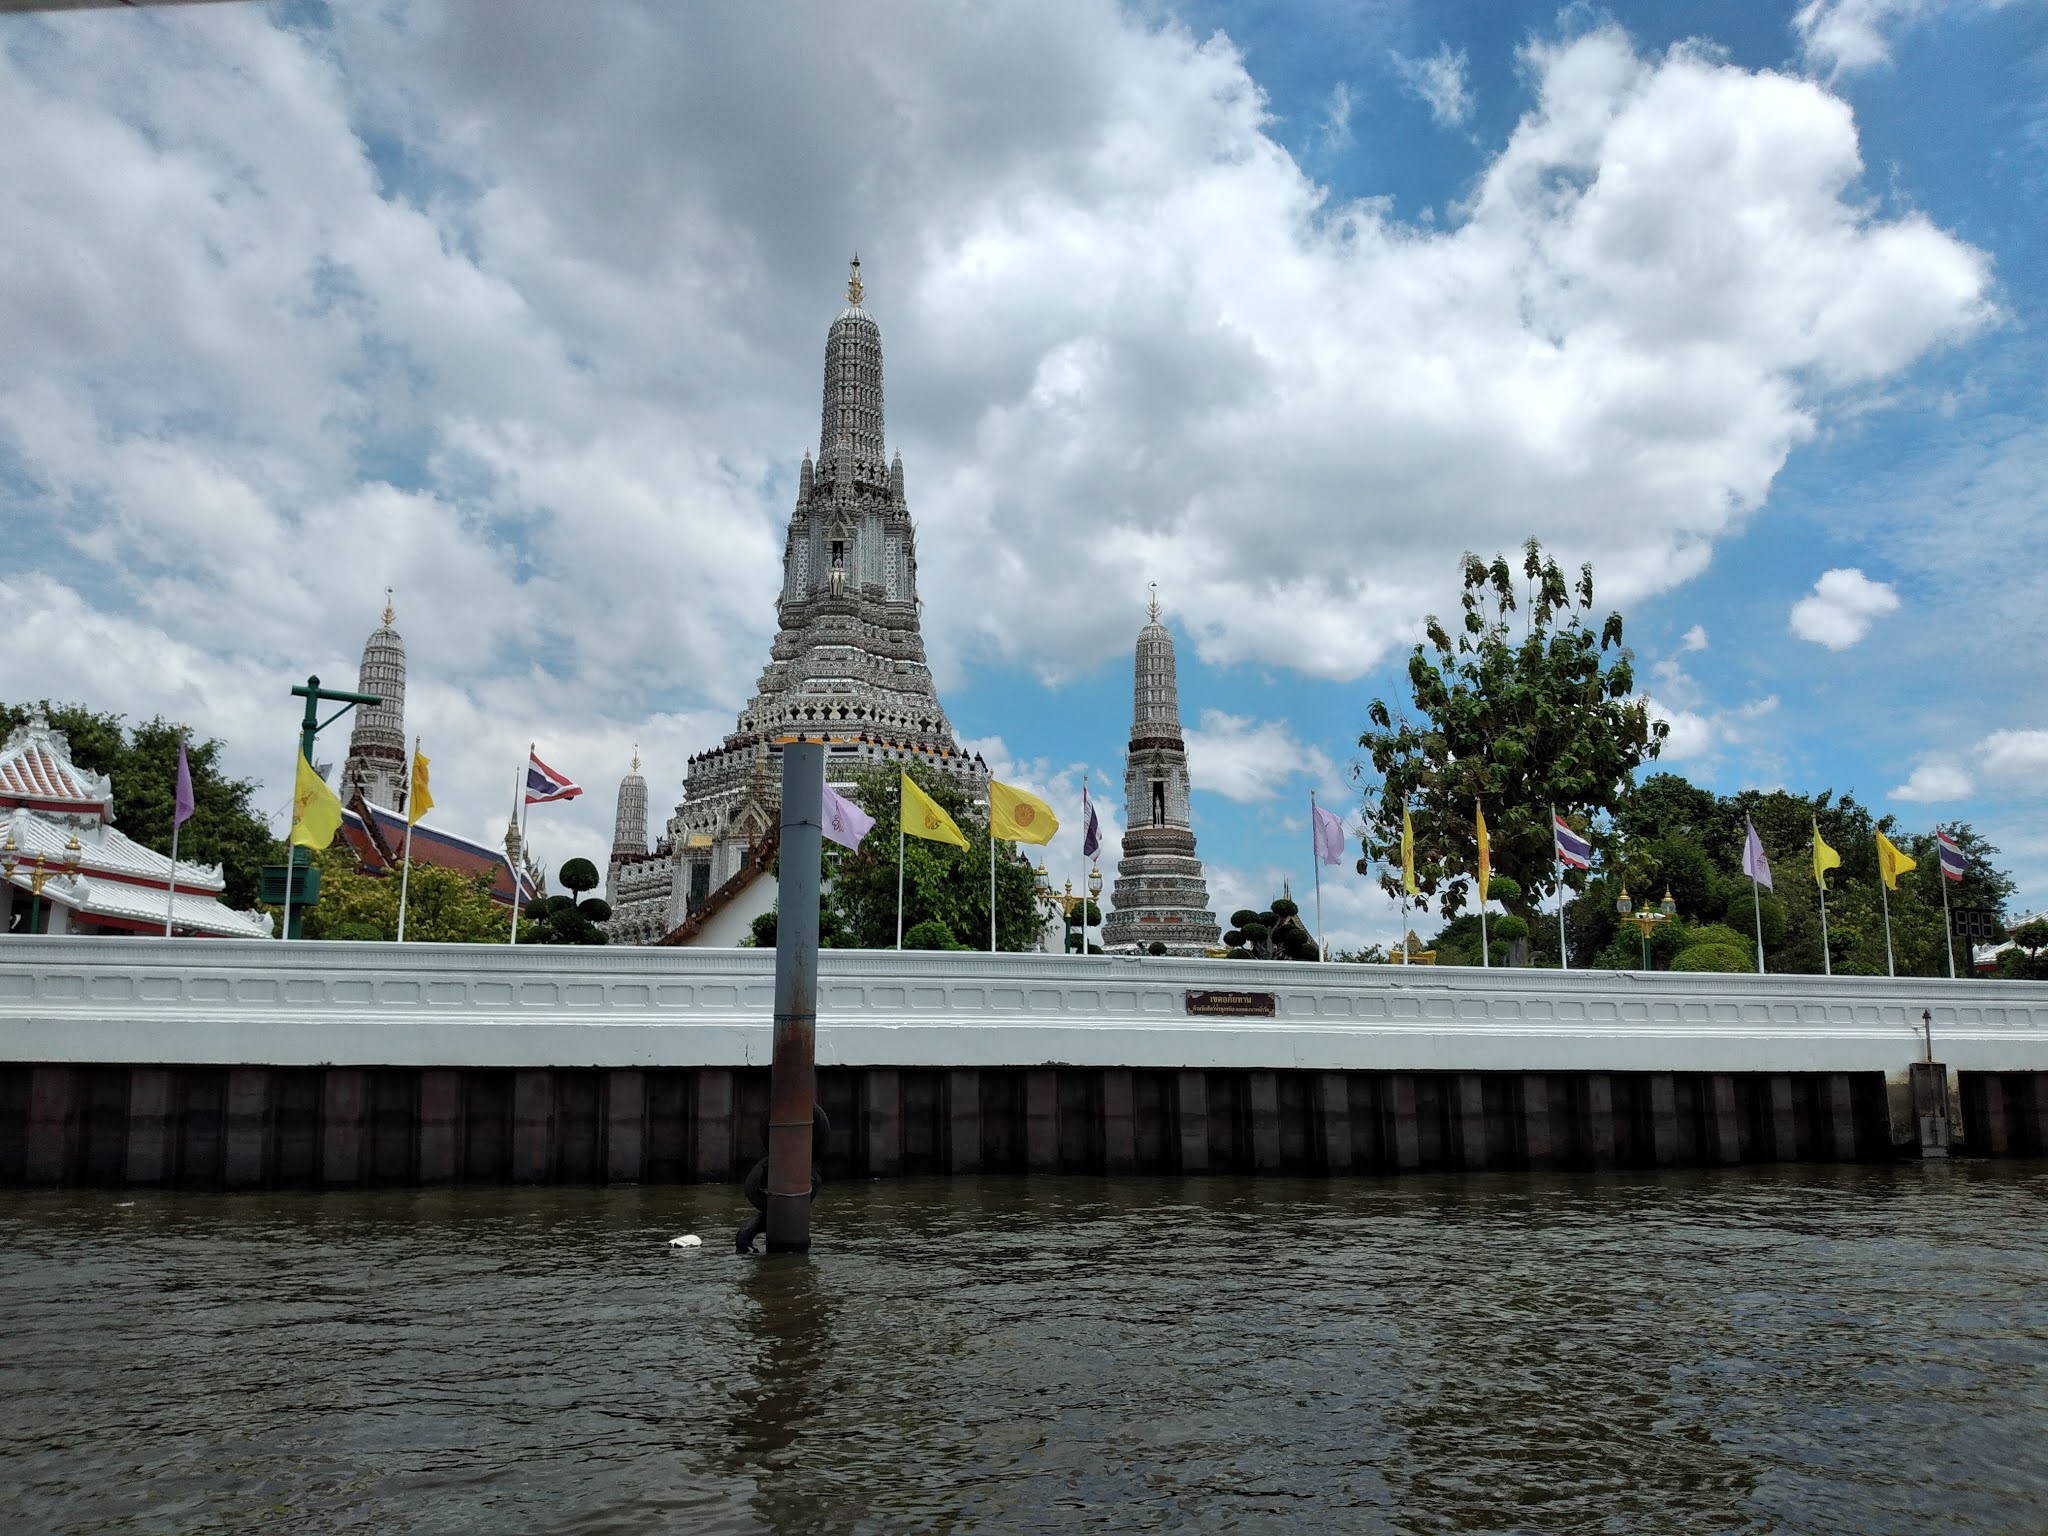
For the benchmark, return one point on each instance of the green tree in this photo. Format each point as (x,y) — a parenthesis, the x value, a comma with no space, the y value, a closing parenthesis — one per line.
(941,883)
(442,907)
(224,829)
(563,920)
(1518,724)
(1277,933)
(578,876)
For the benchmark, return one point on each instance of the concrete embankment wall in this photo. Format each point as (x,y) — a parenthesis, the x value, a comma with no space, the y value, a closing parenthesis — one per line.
(217,1127)
(200,1064)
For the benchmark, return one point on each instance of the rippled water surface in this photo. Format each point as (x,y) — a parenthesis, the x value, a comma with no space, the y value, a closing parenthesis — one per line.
(1778,1350)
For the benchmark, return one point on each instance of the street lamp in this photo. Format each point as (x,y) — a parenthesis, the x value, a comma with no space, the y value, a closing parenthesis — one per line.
(1647,918)
(1094,900)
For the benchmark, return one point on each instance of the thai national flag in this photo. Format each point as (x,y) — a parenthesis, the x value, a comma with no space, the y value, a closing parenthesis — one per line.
(544,784)
(1953,860)
(1572,849)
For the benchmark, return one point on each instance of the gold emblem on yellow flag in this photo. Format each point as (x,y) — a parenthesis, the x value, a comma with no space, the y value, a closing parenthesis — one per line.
(1018,816)
(923,818)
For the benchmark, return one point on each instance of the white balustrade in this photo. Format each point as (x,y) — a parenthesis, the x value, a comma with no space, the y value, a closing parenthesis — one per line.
(192,1001)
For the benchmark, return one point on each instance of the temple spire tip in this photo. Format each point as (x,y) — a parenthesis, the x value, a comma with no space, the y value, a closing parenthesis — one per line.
(854,290)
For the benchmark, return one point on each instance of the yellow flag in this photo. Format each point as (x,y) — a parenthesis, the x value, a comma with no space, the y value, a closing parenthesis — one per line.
(1485,853)
(923,818)
(316,813)
(1408,854)
(1891,863)
(1019,817)
(418,800)
(1824,857)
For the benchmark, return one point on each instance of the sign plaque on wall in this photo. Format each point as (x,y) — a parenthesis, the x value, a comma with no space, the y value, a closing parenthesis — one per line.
(1231,1005)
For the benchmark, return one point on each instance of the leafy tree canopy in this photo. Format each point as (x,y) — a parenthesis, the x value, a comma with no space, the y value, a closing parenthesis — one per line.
(442,907)
(941,883)
(578,876)
(1515,723)
(224,829)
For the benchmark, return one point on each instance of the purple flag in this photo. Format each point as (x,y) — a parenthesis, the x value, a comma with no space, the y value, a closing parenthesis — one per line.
(1091,829)
(1329,834)
(1754,864)
(181,807)
(845,823)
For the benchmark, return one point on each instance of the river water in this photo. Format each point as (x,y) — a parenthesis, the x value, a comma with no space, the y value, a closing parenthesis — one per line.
(1784,1349)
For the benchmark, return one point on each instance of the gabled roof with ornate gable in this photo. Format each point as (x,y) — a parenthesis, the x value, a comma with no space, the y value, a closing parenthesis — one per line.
(36,771)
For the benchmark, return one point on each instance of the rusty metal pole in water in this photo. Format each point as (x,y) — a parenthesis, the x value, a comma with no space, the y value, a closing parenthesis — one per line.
(793,1078)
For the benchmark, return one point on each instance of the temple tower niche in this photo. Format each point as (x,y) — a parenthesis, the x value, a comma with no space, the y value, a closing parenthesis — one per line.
(848,662)
(1160,895)
(376,763)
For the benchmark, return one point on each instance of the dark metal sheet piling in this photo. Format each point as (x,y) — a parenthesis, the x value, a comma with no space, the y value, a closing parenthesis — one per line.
(793,1077)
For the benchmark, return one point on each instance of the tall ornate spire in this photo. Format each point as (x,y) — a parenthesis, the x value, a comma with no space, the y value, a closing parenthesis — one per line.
(848,662)
(376,761)
(1160,894)
(851,421)
(629,828)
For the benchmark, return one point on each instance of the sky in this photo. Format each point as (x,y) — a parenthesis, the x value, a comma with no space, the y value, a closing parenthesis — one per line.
(519,309)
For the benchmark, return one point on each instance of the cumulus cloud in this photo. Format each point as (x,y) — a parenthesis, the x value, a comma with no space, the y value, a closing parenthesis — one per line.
(302,303)
(1842,36)
(1695,639)
(1842,607)
(2015,755)
(1249,760)
(1936,776)
(1439,81)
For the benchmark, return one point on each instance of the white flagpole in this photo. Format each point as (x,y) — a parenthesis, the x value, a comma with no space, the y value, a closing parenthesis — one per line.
(1756,901)
(1564,953)
(1827,962)
(1947,924)
(171,895)
(899,866)
(1315,858)
(405,859)
(291,853)
(991,875)
(1485,950)
(1889,969)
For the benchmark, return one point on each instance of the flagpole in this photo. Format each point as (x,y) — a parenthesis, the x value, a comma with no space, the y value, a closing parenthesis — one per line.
(1564,953)
(171,895)
(1827,962)
(1756,901)
(405,858)
(899,865)
(991,875)
(1315,859)
(1948,928)
(291,856)
(1889,968)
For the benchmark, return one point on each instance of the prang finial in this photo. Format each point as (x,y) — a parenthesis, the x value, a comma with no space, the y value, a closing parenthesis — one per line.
(390,613)
(853,287)
(636,757)
(1155,600)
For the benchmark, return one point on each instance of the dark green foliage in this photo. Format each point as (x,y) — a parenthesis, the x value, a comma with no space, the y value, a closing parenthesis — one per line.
(1712,957)
(578,876)
(596,908)
(1508,927)
(356,933)
(224,829)
(1155,948)
(559,920)
(1518,723)
(931,934)
(1277,933)
(941,883)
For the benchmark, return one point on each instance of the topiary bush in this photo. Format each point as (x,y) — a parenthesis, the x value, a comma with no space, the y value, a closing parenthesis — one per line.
(930,934)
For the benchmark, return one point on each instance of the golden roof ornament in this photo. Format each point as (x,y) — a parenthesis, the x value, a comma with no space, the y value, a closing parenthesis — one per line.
(390,613)
(853,285)
(636,757)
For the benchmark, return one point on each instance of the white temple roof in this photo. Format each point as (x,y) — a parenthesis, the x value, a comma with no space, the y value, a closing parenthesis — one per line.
(102,849)
(36,765)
